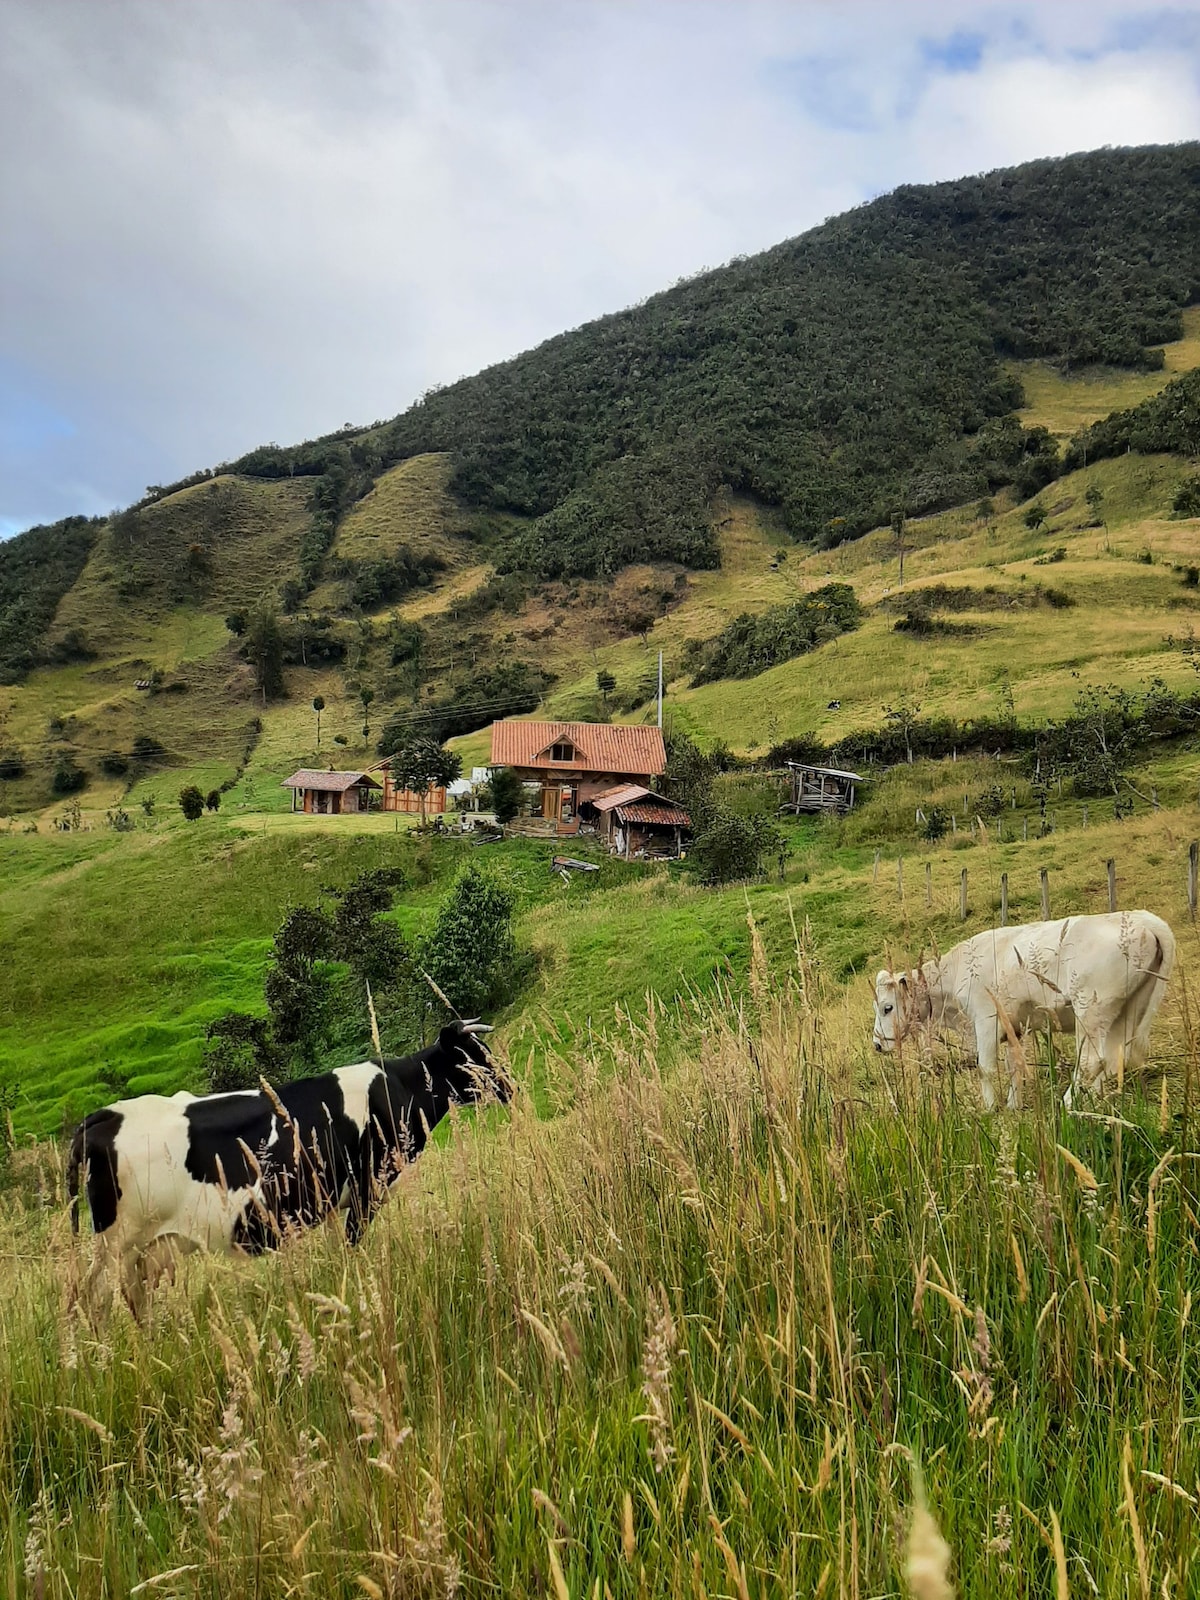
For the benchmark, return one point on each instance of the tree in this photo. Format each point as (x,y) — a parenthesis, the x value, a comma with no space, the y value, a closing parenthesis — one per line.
(68,778)
(191,802)
(507,793)
(1095,501)
(238,1051)
(904,717)
(298,984)
(1035,516)
(605,682)
(212,800)
(236,623)
(419,763)
(318,706)
(263,649)
(936,824)
(731,847)
(471,953)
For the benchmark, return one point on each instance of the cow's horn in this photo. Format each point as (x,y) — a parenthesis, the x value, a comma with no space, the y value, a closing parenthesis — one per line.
(474,1025)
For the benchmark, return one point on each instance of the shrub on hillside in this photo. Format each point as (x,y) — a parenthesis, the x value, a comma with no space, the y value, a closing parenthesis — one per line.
(750,644)
(12,766)
(507,794)
(114,764)
(68,777)
(472,953)
(191,802)
(731,848)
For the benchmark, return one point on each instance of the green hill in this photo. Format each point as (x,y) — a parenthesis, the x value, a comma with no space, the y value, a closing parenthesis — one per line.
(643,482)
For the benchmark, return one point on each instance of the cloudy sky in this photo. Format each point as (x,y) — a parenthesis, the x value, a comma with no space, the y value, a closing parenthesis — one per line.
(228,221)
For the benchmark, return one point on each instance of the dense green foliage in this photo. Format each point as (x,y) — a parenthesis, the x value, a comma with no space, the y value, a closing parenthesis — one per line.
(1169,421)
(750,644)
(471,953)
(36,570)
(840,375)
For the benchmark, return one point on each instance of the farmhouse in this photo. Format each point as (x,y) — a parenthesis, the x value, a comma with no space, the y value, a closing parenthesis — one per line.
(827,789)
(634,821)
(330,793)
(568,763)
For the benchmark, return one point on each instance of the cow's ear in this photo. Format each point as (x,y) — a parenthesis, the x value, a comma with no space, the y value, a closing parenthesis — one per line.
(883,977)
(902,980)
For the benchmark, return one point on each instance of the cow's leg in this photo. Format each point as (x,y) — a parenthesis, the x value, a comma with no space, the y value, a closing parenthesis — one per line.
(1090,1062)
(102,1276)
(144,1270)
(987,1047)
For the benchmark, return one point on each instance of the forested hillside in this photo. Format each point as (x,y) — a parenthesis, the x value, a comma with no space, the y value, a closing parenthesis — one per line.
(836,376)
(844,375)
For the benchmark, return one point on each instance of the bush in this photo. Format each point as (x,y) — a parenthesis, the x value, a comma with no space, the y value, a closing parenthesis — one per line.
(212,800)
(471,953)
(238,1052)
(146,748)
(731,848)
(12,766)
(114,764)
(508,794)
(191,802)
(1186,502)
(1191,578)
(751,644)
(68,778)
(936,824)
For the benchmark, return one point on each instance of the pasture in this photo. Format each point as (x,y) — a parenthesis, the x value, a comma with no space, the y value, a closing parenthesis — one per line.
(713,1329)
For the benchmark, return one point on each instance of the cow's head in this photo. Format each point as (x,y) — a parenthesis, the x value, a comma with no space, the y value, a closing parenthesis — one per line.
(898,1005)
(472,1073)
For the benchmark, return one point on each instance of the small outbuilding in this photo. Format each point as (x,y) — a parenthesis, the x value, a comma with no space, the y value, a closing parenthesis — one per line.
(330,794)
(634,821)
(821,789)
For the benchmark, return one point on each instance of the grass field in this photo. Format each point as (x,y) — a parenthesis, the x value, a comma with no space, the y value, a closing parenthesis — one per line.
(719,1328)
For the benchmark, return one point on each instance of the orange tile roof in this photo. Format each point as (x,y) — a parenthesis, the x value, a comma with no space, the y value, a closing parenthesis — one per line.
(599,746)
(648,811)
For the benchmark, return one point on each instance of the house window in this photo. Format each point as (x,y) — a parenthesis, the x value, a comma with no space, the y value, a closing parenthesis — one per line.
(562,751)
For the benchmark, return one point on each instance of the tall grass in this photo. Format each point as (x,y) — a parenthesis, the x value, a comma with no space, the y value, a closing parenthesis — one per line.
(718,1328)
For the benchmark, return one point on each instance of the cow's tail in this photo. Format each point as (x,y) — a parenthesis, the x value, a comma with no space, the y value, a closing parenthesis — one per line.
(74,1162)
(1143,1004)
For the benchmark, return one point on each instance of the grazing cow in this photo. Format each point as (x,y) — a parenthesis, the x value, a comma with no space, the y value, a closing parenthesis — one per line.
(239,1172)
(1102,976)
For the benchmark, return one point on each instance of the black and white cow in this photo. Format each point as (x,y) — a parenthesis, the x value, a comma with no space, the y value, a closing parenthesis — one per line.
(240,1172)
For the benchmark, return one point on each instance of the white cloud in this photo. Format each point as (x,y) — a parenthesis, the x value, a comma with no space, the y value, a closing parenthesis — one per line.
(214,232)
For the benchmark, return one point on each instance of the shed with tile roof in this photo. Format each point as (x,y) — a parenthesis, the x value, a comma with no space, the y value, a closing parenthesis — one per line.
(634,821)
(330,794)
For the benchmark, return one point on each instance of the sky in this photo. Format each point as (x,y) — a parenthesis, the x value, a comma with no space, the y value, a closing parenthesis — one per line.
(224,222)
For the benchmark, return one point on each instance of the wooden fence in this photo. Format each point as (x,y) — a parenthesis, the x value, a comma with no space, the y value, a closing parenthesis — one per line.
(964,909)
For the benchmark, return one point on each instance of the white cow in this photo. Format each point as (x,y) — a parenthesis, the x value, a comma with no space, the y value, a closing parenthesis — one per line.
(1103,976)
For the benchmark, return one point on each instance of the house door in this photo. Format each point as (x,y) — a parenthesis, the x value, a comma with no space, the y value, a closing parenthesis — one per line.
(551,803)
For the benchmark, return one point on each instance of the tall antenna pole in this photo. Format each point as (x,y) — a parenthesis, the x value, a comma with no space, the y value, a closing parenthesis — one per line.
(660,655)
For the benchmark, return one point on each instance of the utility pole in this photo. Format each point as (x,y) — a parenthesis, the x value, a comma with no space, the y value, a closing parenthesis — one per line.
(660,656)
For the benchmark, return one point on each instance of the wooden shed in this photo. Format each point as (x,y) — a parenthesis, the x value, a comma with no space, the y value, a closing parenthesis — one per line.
(330,794)
(634,821)
(821,789)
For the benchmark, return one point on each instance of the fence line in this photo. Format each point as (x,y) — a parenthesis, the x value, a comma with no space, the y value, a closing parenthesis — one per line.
(1192,886)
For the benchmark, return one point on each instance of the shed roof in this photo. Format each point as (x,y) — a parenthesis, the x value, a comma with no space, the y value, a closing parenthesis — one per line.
(599,746)
(621,795)
(827,772)
(661,811)
(327,782)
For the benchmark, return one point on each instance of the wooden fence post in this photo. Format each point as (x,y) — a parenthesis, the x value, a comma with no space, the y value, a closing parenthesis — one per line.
(1044,875)
(953,823)
(1085,816)
(1004,899)
(928,883)
(1154,798)
(962,896)
(1193,864)
(1112,884)
(1025,829)
(875,873)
